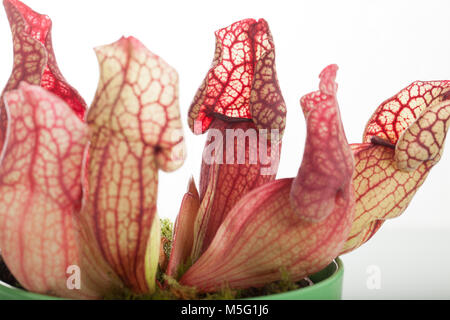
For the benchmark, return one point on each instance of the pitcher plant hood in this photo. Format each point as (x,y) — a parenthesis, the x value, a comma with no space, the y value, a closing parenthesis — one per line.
(403,140)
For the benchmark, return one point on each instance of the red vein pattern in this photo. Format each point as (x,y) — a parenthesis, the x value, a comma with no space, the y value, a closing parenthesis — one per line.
(239,95)
(326,168)
(388,176)
(34,59)
(382,191)
(40,189)
(397,113)
(234,179)
(242,82)
(135,129)
(424,140)
(263,233)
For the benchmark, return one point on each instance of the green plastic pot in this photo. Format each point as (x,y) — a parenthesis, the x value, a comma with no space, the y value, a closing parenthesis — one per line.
(327,286)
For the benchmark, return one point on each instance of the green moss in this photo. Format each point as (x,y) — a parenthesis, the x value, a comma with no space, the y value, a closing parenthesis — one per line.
(175,291)
(183,267)
(226,293)
(167,232)
(285,284)
(167,238)
(126,294)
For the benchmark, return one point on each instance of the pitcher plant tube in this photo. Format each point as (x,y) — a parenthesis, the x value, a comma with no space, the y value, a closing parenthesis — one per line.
(241,105)
(402,141)
(83,192)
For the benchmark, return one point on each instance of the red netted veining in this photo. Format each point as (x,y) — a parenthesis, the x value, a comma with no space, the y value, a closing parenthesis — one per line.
(40,190)
(229,83)
(396,114)
(234,180)
(239,94)
(64,91)
(406,137)
(327,165)
(135,127)
(34,60)
(36,25)
(227,88)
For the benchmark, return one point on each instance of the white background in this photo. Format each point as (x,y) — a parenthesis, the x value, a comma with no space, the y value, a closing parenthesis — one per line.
(380,47)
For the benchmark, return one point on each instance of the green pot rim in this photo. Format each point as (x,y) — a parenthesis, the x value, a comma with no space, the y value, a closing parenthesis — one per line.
(8,292)
(328,286)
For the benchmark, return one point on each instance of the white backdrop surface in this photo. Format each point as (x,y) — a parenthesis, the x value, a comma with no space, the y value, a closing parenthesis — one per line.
(380,47)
